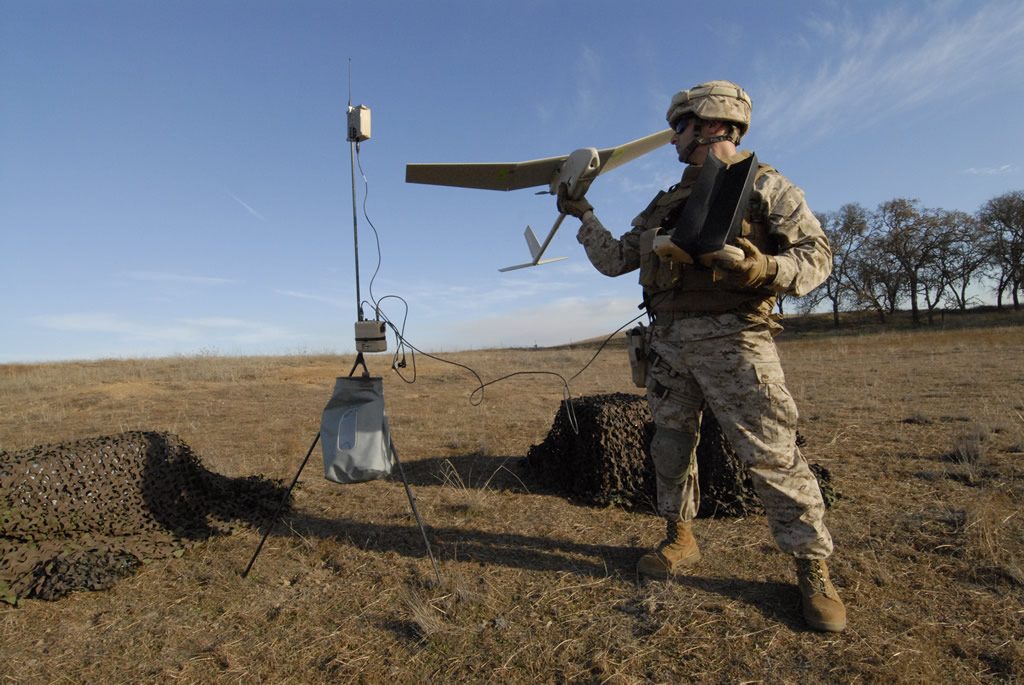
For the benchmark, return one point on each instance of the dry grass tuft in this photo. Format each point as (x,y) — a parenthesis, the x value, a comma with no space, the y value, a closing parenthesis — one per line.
(993,533)
(470,500)
(426,617)
(438,610)
(918,419)
(970,446)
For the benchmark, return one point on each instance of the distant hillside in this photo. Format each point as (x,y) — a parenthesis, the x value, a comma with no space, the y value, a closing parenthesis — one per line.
(853,323)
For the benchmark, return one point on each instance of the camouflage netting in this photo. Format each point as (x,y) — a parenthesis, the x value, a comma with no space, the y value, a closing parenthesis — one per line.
(608,461)
(80,515)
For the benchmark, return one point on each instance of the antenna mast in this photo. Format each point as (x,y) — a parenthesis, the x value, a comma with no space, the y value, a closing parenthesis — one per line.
(353,138)
(370,334)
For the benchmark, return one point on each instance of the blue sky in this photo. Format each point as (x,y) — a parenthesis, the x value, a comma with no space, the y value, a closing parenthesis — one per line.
(174,176)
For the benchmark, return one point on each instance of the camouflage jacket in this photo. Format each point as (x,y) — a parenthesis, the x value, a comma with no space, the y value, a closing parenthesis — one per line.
(804,257)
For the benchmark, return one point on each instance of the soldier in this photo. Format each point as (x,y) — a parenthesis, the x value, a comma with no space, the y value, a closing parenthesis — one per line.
(711,343)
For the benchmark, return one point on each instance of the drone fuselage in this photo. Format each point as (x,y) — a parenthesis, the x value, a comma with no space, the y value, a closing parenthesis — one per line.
(580,168)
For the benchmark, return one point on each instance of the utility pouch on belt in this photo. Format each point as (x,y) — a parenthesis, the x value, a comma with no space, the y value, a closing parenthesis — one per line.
(636,344)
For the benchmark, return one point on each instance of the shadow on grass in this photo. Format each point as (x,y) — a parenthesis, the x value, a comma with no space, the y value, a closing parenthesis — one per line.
(475,472)
(776,601)
(514,550)
(501,474)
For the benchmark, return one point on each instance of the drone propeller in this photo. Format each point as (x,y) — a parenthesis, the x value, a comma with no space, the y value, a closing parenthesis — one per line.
(577,170)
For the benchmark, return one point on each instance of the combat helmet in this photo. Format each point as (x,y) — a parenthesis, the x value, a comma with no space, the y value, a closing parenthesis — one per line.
(713,101)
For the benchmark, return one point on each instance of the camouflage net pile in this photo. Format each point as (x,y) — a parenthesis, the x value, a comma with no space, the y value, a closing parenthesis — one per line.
(81,515)
(609,462)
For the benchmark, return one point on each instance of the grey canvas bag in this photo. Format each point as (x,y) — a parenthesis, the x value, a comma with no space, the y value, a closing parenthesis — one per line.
(354,432)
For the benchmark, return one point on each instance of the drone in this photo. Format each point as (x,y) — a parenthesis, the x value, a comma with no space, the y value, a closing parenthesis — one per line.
(577,171)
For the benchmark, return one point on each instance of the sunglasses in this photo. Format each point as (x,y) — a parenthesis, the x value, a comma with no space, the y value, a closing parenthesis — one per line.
(681,124)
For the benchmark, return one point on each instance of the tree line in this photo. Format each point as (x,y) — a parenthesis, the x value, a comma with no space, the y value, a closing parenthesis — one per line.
(902,253)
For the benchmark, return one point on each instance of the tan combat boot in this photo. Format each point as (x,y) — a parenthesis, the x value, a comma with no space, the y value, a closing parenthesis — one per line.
(823,610)
(677,552)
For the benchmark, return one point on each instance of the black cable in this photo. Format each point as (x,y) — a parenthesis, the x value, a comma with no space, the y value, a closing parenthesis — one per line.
(402,342)
(366,215)
(606,341)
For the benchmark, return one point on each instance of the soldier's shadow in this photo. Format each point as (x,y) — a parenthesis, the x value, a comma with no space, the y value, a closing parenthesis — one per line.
(464,544)
(776,601)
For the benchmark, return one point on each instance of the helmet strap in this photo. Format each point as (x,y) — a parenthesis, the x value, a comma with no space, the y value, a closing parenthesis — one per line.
(700,140)
(713,139)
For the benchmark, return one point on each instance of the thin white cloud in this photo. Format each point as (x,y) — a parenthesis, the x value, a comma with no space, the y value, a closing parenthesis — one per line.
(588,82)
(989,171)
(544,112)
(557,322)
(895,60)
(645,179)
(162,276)
(333,301)
(247,207)
(183,330)
(109,324)
(215,322)
(509,289)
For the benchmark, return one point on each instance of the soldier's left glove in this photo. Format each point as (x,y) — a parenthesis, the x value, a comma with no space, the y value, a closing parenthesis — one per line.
(753,270)
(566,205)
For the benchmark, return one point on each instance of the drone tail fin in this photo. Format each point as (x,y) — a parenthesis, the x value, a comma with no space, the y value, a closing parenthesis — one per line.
(536,251)
(532,243)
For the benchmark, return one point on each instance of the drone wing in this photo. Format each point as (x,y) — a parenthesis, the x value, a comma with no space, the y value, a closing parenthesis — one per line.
(534,172)
(613,157)
(576,170)
(497,176)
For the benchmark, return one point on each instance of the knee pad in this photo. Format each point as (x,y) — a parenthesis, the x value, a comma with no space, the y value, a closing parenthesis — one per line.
(672,451)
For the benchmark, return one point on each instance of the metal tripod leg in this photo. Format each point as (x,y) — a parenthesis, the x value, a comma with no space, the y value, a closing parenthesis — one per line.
(284,500)
(415,512)
(280,507)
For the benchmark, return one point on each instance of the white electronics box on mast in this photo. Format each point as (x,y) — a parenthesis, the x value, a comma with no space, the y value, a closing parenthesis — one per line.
(358,123)
(370,333)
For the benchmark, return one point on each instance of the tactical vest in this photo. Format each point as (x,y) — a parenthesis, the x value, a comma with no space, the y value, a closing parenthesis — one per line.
(674,290)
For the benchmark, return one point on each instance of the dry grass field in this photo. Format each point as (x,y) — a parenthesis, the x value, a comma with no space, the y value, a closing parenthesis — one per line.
(923,432)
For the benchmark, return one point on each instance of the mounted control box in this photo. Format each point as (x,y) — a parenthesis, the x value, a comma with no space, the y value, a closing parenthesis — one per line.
(370,336)
(358,123)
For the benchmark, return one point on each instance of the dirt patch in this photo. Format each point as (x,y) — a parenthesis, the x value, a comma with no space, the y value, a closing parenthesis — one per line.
(83,514)
(607,460)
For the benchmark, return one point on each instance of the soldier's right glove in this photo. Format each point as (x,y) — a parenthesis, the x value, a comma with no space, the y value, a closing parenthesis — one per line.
(753,270)
(566,205)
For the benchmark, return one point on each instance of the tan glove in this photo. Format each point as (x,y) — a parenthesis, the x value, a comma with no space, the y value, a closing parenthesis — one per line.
(667,250)
(753,270)
(567,205)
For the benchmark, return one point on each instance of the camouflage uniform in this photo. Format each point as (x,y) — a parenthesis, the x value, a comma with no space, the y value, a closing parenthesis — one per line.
(712,344)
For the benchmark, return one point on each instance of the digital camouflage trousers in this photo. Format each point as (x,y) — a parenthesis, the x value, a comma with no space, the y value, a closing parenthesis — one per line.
(739,377)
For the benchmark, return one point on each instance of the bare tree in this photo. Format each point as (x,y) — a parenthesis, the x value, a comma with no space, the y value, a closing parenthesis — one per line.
(907,235)
(1002,220)
(846,229)
(780,302)
(932,277)
(876,280)
(965,256)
